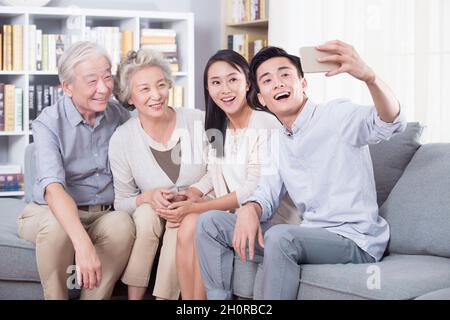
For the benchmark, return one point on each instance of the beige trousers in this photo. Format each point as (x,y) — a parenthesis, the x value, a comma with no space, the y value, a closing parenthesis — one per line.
(149,230)
(112,233)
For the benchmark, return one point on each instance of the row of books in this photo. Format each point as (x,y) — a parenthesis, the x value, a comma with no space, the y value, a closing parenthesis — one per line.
(11,43)
(116,43)
(248,10)
(11,108)
(11,178)
(44,49)
(246,44)
(41,96)
(164,41)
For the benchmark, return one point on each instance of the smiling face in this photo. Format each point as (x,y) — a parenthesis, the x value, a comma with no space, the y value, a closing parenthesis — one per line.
(227,87)
(92,85)
(149,92)
(281,88)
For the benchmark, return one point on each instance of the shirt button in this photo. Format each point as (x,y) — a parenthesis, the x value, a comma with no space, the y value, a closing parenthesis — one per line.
(96,174)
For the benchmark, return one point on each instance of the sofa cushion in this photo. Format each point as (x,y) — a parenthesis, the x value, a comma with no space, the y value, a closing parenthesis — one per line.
(391,157)
(21,290)
(17,256)
(418,208)
(400,277)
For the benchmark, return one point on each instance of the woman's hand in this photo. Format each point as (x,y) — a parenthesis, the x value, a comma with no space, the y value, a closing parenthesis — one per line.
(192,194)
(177,211)
(156,198)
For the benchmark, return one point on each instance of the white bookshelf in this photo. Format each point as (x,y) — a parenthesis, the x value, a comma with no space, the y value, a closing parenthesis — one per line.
(74,21)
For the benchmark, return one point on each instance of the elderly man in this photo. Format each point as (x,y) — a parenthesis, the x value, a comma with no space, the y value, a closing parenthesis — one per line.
(71,214)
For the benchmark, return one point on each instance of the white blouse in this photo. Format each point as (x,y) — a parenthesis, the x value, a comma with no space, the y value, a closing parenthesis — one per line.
(134,168)
(240,169)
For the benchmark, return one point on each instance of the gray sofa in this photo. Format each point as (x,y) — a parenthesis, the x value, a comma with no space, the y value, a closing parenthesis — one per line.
(413,188)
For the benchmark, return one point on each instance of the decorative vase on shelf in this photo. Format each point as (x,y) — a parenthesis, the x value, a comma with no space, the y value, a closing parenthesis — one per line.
(24,3)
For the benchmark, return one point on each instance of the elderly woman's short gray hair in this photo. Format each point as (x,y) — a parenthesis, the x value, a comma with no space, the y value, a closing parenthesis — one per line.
(77,53)
(136,61)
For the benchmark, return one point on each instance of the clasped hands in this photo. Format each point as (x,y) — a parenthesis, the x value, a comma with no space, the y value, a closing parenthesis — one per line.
(171,206)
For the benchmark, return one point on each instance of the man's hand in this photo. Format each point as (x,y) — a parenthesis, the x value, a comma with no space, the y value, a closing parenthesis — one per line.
(246,230)
(348,59)
(177,211)
(89,268)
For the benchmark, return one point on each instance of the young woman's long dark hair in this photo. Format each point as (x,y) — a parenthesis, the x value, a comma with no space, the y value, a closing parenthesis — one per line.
(215,118)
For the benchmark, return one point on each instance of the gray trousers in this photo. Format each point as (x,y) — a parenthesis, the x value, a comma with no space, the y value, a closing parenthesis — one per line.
(286,248)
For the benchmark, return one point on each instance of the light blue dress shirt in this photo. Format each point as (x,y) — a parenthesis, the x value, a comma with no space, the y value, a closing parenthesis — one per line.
(73,153)
(326,168)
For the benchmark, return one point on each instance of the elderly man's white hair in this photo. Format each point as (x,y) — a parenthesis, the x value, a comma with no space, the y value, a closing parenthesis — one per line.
(77,53)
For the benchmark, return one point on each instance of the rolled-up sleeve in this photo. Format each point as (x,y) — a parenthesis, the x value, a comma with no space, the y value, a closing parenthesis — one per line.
(49,163)
(361,125)
(205,185)
(125,189)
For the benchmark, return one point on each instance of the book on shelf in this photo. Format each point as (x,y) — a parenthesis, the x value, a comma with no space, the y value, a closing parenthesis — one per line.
(38,57)
(246,44)
(10,168)
(32,47)
(126,43)
(164,41)
(11,178)
(31,104)
(41,96)
(17,47)
(45,64)
(11,108)
(39,99)
(2,107)
(18,109)
(248,10)
(7,47)
(11,47)
(11,182)
(45,49)
(116,43)
(176,96)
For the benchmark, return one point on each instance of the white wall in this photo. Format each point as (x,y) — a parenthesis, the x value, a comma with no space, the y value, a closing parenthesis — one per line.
(407,42)
(207,25)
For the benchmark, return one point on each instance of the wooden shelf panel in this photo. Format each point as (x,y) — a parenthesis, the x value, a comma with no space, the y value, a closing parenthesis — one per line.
(255,23)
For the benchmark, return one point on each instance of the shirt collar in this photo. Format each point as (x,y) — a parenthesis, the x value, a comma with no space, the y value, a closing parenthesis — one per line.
(74,116)
(303,118)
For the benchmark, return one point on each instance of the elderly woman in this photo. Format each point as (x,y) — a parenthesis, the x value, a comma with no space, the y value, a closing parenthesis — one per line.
(71,213)
(152,157)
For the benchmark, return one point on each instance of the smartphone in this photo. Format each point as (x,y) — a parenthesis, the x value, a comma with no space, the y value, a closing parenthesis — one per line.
(309,56)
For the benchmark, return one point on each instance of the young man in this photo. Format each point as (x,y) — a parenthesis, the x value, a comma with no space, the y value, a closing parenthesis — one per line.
(323,163)
(71,214)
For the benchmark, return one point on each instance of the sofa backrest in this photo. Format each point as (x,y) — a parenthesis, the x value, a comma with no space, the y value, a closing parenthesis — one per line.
(391,157)
(418,208)
(30,172)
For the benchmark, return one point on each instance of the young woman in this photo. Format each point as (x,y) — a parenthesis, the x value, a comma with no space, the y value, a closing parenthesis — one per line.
(147,168)
(238,136)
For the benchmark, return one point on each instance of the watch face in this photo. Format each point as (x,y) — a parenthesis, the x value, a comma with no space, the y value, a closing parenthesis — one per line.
(25,3)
